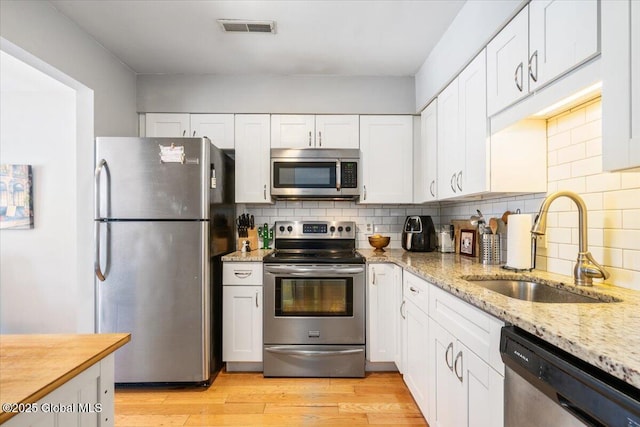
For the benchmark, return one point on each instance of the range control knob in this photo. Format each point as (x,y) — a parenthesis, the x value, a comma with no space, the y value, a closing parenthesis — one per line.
(348,229)
(340,229)
(289,229)
(332,229)
(281,228)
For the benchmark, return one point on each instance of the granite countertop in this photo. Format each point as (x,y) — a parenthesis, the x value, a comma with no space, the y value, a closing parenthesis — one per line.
(255,255)
(606,335)
(35,365)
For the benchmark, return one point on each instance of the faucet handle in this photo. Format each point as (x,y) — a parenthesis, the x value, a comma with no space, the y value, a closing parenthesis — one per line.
(591,268)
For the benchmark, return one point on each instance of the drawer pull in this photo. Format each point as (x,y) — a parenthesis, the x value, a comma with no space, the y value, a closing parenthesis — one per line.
(242,274)
(414,290)
(401,307)
(257,300)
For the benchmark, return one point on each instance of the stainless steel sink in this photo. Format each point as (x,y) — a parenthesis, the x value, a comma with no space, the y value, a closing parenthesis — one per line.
(527,290)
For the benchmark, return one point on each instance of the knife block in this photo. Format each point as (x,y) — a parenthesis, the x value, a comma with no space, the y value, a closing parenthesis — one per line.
(252,238)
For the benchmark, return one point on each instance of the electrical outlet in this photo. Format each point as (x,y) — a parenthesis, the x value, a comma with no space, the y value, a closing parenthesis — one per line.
(369,228)
(542,241)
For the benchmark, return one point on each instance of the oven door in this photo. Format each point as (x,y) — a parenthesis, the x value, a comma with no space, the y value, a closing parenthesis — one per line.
(314,304)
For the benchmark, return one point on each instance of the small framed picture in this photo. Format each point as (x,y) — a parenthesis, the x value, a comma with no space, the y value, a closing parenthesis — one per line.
(468,242)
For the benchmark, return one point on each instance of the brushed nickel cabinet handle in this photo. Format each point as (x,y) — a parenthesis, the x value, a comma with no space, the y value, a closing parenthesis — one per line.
(320,138)
(433,183)
(401,307)
(533,76)
(453,185)
(257,300)
(309,138)
(455,364)
(459,181)
(265,191)
(446,356)
(515,76)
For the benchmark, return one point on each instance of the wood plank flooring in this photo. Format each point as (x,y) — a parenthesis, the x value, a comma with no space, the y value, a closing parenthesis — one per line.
(249,399)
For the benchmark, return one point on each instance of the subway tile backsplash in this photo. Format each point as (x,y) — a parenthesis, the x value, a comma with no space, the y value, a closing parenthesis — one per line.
(574,144)
(383,219)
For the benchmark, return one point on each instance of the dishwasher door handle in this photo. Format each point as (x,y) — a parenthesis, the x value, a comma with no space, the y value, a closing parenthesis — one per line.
(312,353)
(577,412)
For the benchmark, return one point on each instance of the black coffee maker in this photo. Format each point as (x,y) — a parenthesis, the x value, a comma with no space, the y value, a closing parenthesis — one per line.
(419,234)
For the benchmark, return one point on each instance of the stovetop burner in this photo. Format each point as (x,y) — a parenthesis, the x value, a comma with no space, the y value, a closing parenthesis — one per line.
(318,242)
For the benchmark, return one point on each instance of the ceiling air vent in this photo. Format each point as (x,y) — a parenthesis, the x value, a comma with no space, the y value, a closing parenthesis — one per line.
(243,26)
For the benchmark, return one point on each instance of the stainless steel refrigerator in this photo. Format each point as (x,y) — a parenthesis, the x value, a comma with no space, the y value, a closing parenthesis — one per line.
(164,216)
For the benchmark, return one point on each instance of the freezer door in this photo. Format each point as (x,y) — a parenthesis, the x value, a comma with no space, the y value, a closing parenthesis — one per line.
(157,288)
(152,178)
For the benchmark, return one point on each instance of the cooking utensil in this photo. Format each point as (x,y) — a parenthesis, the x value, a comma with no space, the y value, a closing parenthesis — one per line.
(493,225)
(505,216)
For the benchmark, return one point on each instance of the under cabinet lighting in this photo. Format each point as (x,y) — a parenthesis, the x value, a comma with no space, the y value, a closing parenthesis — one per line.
(583,94)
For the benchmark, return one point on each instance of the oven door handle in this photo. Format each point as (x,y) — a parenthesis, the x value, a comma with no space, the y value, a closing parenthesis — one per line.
(305,271)
(290,351)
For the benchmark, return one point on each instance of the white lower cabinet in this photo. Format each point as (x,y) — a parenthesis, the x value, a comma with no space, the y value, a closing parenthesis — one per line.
(466,375)
(242,312)
(416,297)
(383,317)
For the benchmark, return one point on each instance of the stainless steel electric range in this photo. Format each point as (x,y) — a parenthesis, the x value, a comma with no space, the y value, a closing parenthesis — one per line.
(314,301)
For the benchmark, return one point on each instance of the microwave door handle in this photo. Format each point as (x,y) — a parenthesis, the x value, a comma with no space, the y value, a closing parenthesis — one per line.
(338,180)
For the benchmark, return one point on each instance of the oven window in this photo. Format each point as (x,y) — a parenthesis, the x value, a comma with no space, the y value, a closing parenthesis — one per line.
(322,297)
(304,175)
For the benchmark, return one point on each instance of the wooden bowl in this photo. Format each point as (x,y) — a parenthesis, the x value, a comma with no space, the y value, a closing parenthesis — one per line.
(379,242)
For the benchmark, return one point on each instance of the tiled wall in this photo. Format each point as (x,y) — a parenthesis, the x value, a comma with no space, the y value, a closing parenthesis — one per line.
(385,219)
(612,199)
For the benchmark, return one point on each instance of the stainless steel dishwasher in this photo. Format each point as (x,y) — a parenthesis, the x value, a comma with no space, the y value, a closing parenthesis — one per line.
(546,386)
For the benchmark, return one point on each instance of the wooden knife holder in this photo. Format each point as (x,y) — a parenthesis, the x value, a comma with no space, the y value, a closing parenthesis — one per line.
(252,238)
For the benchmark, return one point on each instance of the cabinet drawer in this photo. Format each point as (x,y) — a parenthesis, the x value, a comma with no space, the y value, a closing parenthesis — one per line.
(479,331)
(242,273)
(416,290)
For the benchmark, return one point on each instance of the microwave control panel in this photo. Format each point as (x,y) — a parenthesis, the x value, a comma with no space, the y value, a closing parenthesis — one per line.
(349,174)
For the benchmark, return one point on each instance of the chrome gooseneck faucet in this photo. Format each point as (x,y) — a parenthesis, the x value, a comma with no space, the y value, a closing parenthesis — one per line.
(586,267)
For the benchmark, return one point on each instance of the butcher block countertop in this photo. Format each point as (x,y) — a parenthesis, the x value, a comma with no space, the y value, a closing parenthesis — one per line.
(32,366)
(606,335)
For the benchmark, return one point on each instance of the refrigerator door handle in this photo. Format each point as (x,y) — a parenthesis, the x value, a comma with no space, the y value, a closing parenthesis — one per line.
(102,164)
(96,264)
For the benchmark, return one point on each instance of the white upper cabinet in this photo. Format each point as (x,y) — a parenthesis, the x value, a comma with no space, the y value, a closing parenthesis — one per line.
(462,133)
(545,40)
(309,131)
(562,33)
(253,174)
(218,128)
(425,166)
(337,131)
(621,85)
(507,58)
(450,147)
(167,125)
(386,161)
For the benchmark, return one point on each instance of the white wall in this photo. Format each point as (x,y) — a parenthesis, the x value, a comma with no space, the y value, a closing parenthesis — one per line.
(37,27)
(275,94)
(474,26)
(38,290)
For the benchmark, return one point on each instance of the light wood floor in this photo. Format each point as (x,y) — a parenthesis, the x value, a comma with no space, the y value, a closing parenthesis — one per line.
(248,399)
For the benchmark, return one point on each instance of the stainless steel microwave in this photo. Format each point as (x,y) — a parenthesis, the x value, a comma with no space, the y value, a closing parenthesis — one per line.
(314,173)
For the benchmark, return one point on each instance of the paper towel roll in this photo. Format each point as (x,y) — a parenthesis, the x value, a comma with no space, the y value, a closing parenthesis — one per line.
(519,241)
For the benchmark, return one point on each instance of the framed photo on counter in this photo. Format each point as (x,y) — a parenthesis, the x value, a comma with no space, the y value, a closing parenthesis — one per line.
(468,242)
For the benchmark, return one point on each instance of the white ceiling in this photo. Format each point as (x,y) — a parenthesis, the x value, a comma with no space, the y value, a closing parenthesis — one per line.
(313,37)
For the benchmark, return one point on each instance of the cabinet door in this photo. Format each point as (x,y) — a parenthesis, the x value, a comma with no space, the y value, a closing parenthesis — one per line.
(450,149)
(381,312)
(400,316)
(416,374)
(292,131)
(252,158)
(337,131)
(386,162)
(620,85)
(167,125)
(447,407)
(472,107)
(217,127)
(425,156)
(507,57)
(562,34)
(242,323)
(483,388)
